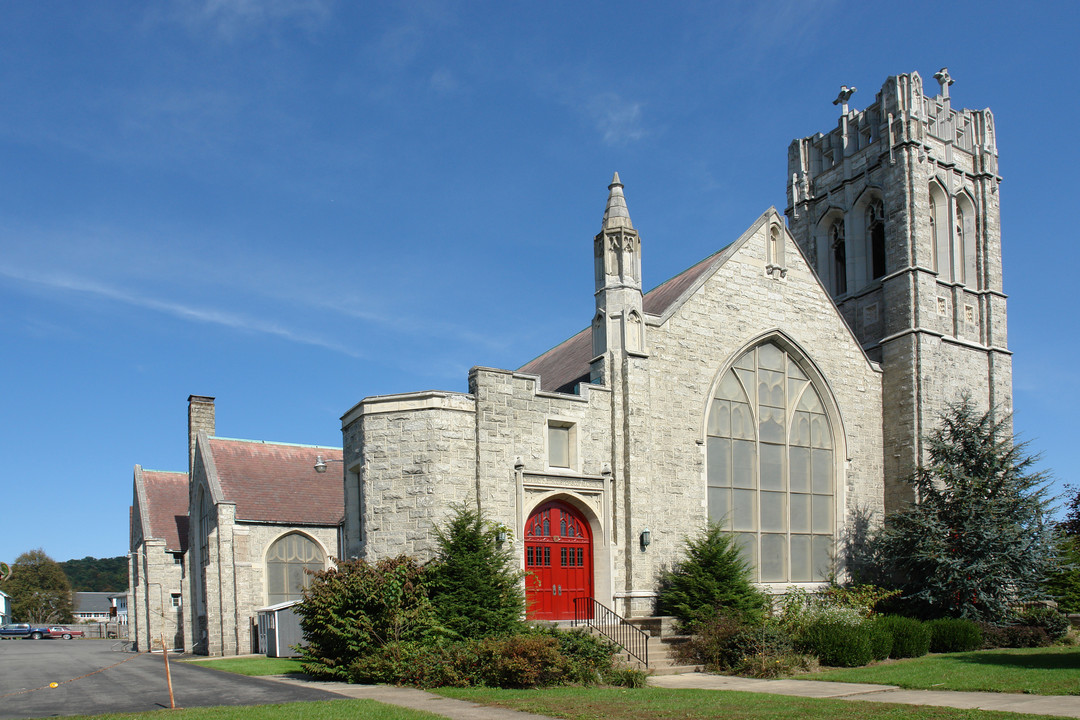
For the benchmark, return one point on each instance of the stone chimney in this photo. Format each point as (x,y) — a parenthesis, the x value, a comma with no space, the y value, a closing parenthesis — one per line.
(200,418)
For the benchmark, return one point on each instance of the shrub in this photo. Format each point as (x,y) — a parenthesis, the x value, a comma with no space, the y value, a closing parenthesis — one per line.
(881,640)
(799,609)
(911,638)
(473,583)
(770,653)
(1013,636)
(588,656)
(712,579)
(521,661)
(837,644)
(719,643)
(627,677)
(1053,622)
(351,611)
(419,664)
(954,635)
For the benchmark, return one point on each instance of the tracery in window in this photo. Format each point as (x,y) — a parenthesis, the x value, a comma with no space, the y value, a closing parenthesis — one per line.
(875,233)
(771,466)
(839,256)
(286,561)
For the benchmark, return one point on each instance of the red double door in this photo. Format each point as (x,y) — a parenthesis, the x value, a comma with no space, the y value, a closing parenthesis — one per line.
(558,561)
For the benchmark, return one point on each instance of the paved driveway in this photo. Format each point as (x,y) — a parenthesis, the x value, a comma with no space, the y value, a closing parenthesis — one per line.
(136,684)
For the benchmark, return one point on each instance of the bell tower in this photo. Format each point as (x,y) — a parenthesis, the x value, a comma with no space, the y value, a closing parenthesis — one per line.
(897,209)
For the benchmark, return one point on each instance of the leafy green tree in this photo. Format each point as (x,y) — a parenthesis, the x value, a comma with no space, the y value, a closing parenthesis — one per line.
(39,590)
(474,583)
(711,580)
(976,540)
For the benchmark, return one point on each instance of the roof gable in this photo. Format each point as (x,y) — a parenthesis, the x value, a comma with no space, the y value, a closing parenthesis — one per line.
(163,507)
(277,482)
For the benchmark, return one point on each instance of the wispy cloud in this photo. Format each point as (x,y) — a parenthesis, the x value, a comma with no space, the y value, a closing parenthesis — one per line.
(183,311)
(619,121)
(232,19)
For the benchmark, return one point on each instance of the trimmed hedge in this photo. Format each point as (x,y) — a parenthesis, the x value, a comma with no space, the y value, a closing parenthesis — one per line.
(911,638)
(954,635)
(838,644)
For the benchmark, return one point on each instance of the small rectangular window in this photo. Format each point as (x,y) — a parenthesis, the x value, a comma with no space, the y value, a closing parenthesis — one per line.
(176,600)
(559,445)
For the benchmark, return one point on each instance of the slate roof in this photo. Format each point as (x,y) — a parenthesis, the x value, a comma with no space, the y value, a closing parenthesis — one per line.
(92,602)
(277,482)
(567,364)
(167,502)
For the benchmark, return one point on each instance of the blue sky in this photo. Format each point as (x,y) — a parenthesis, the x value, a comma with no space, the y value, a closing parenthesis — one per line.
(294,204)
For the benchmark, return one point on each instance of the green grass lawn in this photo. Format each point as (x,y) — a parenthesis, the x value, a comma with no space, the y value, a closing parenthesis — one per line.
(325,710)
(1042,671)
(577,703)
(253,665)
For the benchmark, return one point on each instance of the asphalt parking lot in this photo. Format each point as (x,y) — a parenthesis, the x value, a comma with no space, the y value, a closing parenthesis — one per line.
(96,676)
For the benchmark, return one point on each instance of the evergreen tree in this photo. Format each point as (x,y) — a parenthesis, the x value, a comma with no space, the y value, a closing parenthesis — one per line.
(474,584)
(39,590)
(975,541)
(712,579)
(1064,585)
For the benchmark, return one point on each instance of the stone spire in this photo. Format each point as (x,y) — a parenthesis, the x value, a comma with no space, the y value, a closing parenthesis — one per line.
(616,215)
(618,325)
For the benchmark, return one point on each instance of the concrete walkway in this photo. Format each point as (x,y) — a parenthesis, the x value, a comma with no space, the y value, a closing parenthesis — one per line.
(416,700)
(1062,705)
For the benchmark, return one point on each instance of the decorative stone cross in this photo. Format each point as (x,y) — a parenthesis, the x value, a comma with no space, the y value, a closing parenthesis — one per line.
(845,95)
(943,77)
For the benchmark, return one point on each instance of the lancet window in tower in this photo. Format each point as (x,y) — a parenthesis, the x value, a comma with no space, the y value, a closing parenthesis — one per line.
(771,466)
(875,235)
(933,233)
(838,247)
(960,236)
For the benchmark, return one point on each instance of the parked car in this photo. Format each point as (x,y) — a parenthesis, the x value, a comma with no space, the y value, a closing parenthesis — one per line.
(24,630)
(59,631)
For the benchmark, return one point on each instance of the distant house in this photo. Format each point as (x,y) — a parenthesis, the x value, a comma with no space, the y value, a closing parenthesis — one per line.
(5,608)
(93,607)
(120,603)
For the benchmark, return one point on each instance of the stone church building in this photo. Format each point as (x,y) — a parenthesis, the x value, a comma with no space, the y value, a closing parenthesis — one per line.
(780,386)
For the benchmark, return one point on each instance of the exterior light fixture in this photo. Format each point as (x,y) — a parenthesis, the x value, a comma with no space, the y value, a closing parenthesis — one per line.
(646,539)
(320,463)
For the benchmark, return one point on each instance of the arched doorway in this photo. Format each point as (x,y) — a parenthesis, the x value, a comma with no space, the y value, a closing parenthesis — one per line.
(558,561)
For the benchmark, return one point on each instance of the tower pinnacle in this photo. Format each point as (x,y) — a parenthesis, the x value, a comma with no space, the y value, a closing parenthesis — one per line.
(616,214)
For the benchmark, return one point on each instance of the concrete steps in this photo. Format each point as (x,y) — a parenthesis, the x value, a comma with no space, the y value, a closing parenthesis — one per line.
(662,644)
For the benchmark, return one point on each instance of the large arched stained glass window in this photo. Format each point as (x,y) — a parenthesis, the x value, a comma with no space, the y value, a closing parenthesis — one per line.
(286,562)
(771,466)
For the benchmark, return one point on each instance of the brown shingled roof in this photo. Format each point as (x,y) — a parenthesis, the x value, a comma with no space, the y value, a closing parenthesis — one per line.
(566,365)
(167,503)
(272,482)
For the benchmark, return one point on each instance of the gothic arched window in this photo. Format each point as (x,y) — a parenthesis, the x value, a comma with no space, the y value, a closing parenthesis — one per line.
(838,246)
(875,234)
(286,561)
(771,466)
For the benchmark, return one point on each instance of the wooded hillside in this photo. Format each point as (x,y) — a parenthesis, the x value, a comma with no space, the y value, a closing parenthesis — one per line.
(97,574)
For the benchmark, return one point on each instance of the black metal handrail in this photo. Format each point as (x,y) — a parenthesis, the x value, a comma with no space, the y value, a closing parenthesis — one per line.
(613,626)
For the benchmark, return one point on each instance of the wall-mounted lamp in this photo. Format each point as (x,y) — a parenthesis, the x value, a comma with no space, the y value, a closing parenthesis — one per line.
(646,539)
(500,537)
(320,463)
